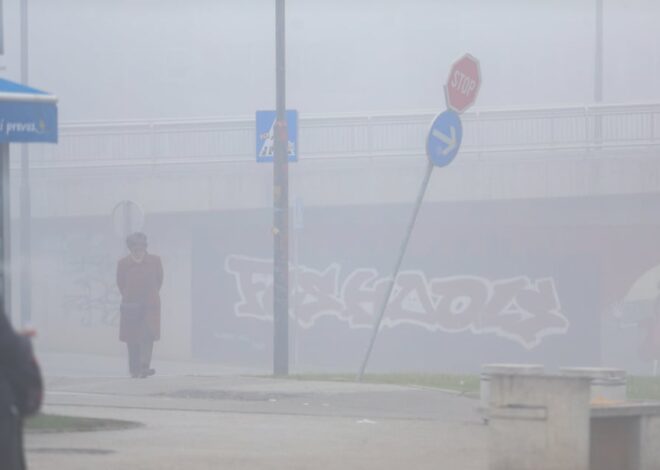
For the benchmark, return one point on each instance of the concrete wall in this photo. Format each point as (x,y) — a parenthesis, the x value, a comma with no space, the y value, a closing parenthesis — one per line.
(511,267)
(75,298)
(168,188)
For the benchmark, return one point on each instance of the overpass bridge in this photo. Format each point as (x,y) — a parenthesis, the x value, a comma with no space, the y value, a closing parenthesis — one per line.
(209,164)
(541,225)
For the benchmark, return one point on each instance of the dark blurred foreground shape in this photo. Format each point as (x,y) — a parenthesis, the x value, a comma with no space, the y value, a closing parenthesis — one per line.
(21,392)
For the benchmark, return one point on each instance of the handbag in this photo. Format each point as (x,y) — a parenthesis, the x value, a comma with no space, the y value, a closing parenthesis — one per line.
(26,380)
(132,310)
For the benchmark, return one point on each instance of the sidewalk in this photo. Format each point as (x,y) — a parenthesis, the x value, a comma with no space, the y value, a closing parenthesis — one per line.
(217,419)
(57,364)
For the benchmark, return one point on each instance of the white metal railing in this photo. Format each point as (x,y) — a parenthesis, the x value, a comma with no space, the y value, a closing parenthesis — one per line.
(353,136)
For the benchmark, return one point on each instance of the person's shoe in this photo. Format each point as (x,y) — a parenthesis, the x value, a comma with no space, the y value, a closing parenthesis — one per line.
(147,373)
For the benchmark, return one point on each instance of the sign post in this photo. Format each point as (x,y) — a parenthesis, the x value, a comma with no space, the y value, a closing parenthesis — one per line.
(127,217)
(442,144)
(463,84)
(280,207)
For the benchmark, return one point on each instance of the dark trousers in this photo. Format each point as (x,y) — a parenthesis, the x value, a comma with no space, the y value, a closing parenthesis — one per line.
(11,441)
(139,356)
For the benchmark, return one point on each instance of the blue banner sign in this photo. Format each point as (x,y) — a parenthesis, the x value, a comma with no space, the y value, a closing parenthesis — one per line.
(28,121)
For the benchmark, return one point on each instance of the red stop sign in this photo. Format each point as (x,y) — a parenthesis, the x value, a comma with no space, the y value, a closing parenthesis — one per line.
(463,83)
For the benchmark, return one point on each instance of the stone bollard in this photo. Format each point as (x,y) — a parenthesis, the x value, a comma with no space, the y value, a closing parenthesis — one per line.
(487,371)
(607,385)
(539,422)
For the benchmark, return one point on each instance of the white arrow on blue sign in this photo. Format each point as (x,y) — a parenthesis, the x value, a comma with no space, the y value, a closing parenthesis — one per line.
(444,138)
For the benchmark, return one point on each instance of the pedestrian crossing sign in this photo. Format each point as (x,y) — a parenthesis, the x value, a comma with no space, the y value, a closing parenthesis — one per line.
(265,124)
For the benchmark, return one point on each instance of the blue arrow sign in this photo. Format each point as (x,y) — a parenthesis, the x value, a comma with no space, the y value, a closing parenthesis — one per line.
(444,138)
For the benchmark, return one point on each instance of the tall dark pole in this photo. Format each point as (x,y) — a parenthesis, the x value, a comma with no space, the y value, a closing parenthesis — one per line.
(598,76)
(598,60)
(26,209)
(280,208)
(5,252)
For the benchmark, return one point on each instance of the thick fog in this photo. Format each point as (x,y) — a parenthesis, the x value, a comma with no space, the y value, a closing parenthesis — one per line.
(154,59)
(533,246)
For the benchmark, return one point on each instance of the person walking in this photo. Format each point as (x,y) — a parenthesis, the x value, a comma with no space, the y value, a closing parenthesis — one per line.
(139,279)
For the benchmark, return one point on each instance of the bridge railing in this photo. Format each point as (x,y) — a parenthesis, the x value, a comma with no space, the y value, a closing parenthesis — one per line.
(505,131)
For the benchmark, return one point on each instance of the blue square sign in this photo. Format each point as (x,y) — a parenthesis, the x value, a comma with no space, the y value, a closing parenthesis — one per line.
(266,139)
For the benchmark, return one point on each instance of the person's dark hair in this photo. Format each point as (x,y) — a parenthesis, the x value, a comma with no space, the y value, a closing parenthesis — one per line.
(136,239)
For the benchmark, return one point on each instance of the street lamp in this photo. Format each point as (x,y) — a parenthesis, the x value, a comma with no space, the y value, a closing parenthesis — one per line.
(25,199)
(280,207)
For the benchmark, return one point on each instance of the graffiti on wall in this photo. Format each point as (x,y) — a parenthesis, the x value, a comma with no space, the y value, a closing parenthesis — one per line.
(86,275)
(519,309)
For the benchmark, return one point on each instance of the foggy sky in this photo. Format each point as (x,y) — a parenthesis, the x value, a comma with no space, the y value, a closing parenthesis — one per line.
(170,59)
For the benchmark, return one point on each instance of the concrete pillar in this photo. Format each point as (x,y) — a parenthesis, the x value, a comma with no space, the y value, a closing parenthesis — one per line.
(487,371)
(539,422)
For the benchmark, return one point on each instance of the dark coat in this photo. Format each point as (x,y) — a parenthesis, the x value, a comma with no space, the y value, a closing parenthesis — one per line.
(139,285)
(11,433)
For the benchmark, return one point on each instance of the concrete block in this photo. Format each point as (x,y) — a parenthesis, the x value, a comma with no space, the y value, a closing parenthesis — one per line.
(607,385)
(487,371)
(649,458)
(539,422)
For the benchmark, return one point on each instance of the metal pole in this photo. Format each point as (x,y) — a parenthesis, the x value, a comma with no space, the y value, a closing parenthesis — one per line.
(598,60)
(126,218)
(280,208)
(295,242)
(25,196)
(5,252)
(598,76)
(294,309)
(397,266)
